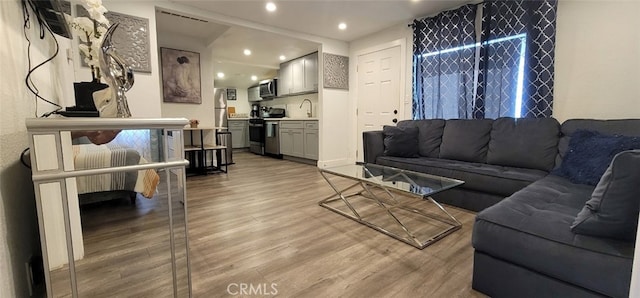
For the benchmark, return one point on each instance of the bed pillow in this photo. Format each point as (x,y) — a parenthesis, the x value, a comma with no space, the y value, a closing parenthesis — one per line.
(590,153)
(400,141)
(613,208)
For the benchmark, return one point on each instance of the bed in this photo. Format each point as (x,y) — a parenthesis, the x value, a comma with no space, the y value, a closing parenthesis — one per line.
(111,186)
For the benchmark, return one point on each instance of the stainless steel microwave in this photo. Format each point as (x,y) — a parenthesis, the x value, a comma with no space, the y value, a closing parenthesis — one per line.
(268,89)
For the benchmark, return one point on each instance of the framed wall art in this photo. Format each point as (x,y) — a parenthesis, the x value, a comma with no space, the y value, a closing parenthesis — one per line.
(180,76)
(231,94)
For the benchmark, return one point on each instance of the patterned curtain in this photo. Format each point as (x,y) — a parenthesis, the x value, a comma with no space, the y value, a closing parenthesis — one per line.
(444,62)
(516,59)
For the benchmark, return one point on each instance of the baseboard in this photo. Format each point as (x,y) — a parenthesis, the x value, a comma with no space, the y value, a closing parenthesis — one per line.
(333,163)
(300,160)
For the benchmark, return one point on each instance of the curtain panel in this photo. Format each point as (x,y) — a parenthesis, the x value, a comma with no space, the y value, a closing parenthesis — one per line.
(444,63)
(503,70)
(526,33)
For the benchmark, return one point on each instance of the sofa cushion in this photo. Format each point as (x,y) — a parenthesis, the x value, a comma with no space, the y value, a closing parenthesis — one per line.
(627,127)
(590,153)
(429,135)
(477,176)
(399,141)
(532,229)
(614,205)
(524,143)
(466,139)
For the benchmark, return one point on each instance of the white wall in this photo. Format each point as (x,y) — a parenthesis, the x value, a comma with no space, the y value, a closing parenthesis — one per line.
(597,60)
(18,222)
(292,105)
(333,112)
(203,111)
(242,104)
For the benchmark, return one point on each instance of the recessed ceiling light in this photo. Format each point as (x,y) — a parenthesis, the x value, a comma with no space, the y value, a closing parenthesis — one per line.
(271,6)
(342,26)
(221,75)
(282,57)
(247,52)
(254,78)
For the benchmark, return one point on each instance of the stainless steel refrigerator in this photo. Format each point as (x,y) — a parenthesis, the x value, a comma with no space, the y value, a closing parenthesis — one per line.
(220,107)
(223,136)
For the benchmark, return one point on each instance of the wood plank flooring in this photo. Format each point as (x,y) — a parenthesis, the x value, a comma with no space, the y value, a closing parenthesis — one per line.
(260,225)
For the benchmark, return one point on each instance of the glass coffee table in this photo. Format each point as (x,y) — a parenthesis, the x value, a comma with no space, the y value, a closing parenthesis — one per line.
(393,201)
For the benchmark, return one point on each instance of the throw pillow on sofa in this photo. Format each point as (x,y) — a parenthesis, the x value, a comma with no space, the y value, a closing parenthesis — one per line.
(400,141)
(590,153)
(613,208)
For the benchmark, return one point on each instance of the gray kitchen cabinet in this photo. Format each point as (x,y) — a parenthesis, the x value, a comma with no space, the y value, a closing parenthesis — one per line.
(286,142)
(284,79)
(311,140)
(311,72)
(299,139)
(239,131)
(299,75)
(253,93)
(292,138)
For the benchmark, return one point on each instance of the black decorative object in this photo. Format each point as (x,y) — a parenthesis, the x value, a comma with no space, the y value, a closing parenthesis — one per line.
(83,92)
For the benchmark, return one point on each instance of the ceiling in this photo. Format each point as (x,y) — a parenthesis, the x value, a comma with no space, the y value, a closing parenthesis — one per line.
(320,18)
(228,44)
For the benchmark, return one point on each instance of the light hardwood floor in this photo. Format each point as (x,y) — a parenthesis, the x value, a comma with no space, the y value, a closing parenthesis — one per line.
(260,225)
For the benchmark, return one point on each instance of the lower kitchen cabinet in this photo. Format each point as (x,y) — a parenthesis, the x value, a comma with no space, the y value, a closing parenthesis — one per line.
(299,139)
(311,144)
(239,133)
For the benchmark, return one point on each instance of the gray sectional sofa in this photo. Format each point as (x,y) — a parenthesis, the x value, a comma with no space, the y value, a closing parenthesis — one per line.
(524,245)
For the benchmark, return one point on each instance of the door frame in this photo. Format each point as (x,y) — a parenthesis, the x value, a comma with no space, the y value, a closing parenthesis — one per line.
(402,42)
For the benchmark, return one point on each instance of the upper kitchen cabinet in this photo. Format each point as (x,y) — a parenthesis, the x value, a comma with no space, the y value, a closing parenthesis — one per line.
(299,76)
(253,93)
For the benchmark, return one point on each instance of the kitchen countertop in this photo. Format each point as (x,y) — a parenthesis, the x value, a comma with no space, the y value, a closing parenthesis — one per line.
(244,118)
(291,119)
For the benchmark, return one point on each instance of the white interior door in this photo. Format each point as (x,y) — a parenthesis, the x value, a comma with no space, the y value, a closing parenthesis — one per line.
(378,91)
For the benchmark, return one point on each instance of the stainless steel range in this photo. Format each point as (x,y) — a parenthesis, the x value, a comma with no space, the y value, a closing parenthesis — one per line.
(259,132)
(256,135)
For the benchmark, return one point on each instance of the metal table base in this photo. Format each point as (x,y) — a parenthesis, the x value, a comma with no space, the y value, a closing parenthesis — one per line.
(388,206)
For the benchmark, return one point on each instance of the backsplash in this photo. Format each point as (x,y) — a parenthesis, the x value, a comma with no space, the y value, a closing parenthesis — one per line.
(292,105)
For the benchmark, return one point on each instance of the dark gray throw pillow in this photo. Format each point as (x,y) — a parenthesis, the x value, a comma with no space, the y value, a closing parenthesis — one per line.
(612,211)
(400,141)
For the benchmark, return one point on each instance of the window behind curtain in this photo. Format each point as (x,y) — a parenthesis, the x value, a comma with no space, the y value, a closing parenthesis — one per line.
(508,74)
(444,80)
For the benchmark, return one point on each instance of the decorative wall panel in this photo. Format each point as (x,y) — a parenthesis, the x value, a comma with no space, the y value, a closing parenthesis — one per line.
(131,39)
(336,71)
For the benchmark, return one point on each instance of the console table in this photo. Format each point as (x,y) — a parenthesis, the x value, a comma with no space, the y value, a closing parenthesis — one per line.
(54,180)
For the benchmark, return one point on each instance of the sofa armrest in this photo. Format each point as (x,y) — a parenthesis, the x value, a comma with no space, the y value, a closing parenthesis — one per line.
(372,145)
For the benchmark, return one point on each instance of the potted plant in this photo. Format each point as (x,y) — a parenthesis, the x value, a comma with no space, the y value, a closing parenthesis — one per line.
(90,30)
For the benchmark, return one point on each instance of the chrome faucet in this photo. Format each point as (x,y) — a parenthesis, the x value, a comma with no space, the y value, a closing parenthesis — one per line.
(310,112)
